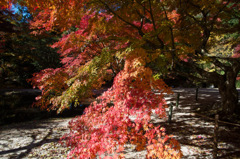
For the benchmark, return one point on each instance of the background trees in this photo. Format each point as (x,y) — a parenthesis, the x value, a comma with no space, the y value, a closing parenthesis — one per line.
(22,53)
(215,59)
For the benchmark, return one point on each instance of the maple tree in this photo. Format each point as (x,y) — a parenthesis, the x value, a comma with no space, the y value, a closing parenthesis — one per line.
(123,40)
(96,47)
(216,57)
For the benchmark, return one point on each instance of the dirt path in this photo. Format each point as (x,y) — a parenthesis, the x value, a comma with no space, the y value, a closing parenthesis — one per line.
(194,132)
(34,139)
(39,139)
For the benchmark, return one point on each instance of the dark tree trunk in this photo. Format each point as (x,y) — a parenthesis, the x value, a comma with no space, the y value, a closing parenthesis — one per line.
(226,83)
(228,92)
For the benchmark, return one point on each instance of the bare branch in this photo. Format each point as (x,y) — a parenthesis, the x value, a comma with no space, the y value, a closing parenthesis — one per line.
(154,25)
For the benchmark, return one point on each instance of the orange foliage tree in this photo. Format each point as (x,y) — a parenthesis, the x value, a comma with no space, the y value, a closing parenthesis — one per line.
(121,39)
(103,40)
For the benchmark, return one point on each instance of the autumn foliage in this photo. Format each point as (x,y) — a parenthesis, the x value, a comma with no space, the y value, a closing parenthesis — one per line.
(124,40)
(122,115)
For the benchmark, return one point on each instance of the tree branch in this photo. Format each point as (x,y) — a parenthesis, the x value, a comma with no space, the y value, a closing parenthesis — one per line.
(154,25)
(134,26)
(172,38)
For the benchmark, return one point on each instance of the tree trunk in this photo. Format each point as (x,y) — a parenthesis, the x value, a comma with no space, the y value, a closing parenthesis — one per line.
(228,92)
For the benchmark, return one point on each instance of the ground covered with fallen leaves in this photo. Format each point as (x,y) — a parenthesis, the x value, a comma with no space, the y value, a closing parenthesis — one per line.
(40,138)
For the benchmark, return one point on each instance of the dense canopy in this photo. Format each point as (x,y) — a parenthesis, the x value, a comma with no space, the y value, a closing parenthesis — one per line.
(133,42)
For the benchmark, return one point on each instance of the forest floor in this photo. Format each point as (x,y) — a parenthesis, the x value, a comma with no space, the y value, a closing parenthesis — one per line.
(189,125)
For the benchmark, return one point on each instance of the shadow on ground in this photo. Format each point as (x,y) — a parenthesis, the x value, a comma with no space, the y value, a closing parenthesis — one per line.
(39,139)
(30,139)
(195,133)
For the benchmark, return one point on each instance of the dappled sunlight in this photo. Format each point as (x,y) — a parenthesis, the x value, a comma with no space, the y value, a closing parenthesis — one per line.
(25,139)
(195,133)
(39,139)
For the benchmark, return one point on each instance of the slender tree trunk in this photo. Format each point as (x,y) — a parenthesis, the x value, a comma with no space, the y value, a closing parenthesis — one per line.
(228,92)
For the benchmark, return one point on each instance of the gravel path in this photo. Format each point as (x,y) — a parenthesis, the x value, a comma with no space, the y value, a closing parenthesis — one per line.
(39,139)
(34,139)
(194,132)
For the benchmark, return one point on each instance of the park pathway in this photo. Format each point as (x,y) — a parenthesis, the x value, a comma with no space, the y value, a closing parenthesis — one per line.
(39,139)
(195,131)
(34,139)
